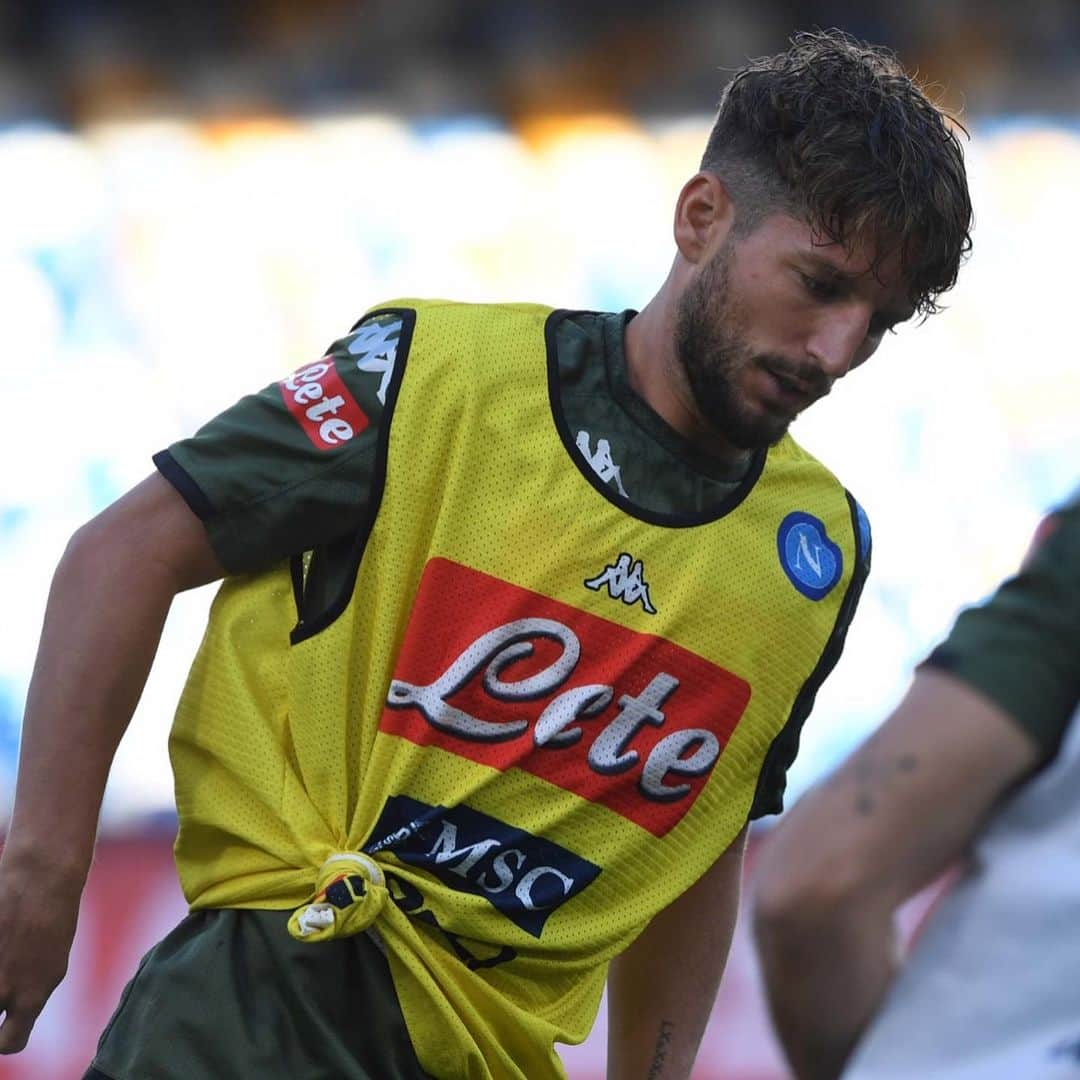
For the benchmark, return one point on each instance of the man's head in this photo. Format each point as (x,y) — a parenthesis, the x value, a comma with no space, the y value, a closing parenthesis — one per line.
(832,203)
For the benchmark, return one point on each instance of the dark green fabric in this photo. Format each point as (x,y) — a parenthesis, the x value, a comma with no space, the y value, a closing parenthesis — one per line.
(230,994)
(1022,648)
(270,492)
(658,469)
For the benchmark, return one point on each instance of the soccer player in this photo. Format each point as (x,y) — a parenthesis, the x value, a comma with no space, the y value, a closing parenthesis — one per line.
(980,760)
(523,611)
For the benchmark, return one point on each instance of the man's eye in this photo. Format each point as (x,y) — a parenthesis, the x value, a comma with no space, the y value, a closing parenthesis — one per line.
(819,288)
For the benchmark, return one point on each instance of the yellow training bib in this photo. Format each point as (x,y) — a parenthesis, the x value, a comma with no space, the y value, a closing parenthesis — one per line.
(539,718)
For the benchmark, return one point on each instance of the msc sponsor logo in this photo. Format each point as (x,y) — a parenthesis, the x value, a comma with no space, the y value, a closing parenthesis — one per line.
(322,405)
(812,562)
(525,877)
(508,678)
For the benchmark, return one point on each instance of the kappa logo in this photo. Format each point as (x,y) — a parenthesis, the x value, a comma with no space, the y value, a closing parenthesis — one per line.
(375,344)
(625,581)
(511,679)
(812,562)
(525,877)
(601,461)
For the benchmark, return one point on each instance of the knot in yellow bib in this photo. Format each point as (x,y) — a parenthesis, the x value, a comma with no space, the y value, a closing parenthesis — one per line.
(349,894)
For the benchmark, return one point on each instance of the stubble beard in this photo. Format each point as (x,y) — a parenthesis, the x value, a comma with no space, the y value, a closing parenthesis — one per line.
(713,353)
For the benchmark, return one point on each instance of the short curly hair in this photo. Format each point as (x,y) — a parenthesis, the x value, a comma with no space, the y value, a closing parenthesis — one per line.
(835,131)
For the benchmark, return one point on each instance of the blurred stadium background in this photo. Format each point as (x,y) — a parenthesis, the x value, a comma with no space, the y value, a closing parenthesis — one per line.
(198,197)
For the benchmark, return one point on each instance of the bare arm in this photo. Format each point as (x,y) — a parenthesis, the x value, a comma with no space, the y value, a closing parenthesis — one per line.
(894,816)
(108,602)
(661,990)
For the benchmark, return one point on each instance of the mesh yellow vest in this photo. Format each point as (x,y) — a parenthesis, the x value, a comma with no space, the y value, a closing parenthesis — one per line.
(535,720)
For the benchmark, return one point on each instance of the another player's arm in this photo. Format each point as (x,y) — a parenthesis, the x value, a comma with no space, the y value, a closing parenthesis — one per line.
(993,701)
(110,595)
(895,815)
(661,989)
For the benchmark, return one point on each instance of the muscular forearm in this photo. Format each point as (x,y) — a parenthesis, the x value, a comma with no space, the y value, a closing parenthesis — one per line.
(102,626)
(888,822)
(661,990)
(652,1036)
(107,605)
(824,930)
(826,971)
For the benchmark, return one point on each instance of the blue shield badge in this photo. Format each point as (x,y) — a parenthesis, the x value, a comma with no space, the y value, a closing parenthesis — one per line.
(812,562)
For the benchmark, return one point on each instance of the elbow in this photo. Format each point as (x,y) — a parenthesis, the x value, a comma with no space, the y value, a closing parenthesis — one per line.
(805,894)
(86,549)
(90,537)
(122,547)
(93,548)
(100,555)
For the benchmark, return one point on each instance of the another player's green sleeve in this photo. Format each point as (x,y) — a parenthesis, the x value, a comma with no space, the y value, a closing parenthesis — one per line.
(1022,647)
(290,468)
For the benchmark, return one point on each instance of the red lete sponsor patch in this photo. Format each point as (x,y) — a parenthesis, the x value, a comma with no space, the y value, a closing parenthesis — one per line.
(509,678)
(322,405)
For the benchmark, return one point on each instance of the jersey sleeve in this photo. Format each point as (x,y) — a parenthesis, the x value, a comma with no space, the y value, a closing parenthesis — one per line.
(772,780)
(292,467)
(1022,647)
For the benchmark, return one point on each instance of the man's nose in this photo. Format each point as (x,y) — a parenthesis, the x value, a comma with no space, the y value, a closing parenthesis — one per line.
(839,338)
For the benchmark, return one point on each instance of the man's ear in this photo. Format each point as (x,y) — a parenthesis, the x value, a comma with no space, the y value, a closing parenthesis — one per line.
(704,214)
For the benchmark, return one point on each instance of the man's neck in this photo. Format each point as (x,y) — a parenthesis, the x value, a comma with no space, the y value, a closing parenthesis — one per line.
(657,376)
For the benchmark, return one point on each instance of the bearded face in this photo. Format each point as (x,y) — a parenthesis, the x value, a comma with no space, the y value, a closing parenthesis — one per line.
(748,397)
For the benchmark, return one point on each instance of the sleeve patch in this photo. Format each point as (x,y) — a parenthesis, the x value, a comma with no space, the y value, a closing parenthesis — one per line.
(322,405)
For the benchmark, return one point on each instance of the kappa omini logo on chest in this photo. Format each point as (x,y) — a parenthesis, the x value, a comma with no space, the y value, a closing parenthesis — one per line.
(625,581)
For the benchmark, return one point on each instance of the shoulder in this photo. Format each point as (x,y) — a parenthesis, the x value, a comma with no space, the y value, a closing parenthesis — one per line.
(790,453)
(1018,648)
(443,323)
(437,306)
(809,473)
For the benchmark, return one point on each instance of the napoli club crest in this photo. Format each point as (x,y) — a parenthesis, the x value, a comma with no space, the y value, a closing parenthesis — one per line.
(812,562)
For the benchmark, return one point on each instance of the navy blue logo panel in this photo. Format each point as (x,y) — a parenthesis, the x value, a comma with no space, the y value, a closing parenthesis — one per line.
(525,877)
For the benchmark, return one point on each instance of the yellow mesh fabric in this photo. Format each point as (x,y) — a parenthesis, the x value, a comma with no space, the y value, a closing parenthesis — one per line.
(287,757)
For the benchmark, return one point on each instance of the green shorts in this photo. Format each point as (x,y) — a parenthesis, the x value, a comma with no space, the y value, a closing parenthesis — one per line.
(229,994)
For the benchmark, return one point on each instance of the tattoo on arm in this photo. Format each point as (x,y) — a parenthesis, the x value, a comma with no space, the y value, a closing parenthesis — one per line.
(873,774)
(663,1041)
